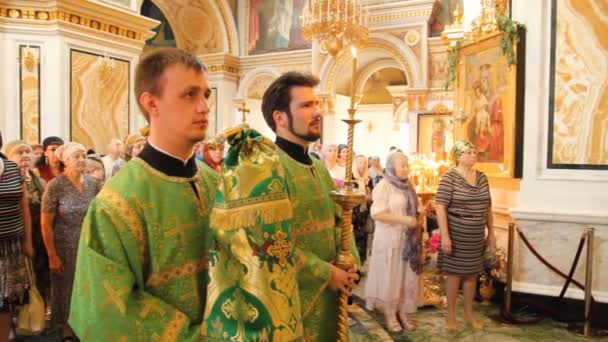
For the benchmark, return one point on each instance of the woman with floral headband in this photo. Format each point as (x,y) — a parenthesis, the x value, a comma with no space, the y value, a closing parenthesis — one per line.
(213,153)
(464,210)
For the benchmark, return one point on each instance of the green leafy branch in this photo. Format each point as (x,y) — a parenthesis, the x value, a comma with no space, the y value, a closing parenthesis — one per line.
(452,61)
(509,38)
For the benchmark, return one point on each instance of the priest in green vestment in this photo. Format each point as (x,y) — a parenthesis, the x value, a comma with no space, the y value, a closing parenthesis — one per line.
(141,272)
(291,109)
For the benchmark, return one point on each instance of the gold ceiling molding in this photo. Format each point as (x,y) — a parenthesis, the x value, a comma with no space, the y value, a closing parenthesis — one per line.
(225,66)
(77,16)
(399,15)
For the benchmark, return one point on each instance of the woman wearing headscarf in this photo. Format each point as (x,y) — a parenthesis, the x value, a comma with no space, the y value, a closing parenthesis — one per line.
(15,242)
(395,266)
(213,153)
(464,210)
(20,152)
(64,205)
(134,143)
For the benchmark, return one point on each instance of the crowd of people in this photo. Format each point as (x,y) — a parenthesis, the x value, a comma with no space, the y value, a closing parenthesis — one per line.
(125,244)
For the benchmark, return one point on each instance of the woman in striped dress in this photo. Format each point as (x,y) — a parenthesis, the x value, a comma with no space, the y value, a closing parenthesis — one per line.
(15,242)
(464,210)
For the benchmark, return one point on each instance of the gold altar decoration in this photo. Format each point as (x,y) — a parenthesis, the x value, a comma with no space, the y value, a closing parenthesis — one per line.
(348,198)
(335,24)
(425,172)
(242,108)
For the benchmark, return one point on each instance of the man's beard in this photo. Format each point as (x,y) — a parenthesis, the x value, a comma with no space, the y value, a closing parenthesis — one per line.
(310,137)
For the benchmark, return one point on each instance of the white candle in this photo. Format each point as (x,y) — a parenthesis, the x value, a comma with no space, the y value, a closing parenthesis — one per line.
(328,8)
(338,11)
(360,13)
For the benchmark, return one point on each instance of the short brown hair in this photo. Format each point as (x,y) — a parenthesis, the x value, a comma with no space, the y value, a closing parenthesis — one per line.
(278,94)
(152,65)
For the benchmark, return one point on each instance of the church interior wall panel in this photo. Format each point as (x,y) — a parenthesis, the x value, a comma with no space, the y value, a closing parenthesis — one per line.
(554,204)
(578,112)
(29,93)
(96,114)
(557,242)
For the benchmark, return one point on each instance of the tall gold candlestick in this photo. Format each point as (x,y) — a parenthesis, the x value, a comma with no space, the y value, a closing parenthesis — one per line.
(348,198)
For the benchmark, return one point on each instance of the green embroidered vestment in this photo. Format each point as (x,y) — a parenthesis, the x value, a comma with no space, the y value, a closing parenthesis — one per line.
(142,264)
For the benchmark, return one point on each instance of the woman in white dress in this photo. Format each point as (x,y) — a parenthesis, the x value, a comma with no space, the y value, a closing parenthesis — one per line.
(330,159)
(394,268)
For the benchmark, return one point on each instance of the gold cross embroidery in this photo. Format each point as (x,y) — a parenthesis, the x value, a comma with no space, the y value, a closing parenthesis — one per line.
(280,248)
(150,306)
(114,296)
(240,311)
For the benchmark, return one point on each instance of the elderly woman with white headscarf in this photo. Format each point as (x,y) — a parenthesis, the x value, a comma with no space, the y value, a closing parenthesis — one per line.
(395,266)
(64,205)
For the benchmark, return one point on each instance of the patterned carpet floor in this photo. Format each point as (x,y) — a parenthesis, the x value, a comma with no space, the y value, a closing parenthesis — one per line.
(370,326)
(431,327)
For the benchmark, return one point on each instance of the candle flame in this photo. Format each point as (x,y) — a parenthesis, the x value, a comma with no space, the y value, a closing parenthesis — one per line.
(353,50)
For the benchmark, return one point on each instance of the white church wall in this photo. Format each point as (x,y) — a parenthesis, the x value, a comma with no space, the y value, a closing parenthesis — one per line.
(375,134)
(554,205)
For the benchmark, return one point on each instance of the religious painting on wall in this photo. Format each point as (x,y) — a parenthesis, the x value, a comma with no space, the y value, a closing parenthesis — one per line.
(275,25)
(489,102)
(433,135)
(578,103)
(29,93)
(99,96)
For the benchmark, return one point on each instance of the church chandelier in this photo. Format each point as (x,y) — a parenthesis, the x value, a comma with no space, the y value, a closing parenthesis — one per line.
(335,24)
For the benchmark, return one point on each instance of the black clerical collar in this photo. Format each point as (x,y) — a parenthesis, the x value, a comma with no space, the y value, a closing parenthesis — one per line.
(167,164)
(295,151)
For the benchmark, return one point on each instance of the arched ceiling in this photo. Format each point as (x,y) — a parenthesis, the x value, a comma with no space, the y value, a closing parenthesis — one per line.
(196,25)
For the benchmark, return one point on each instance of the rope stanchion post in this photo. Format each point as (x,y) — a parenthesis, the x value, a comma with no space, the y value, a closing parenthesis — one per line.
(588,282)
(509,284)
